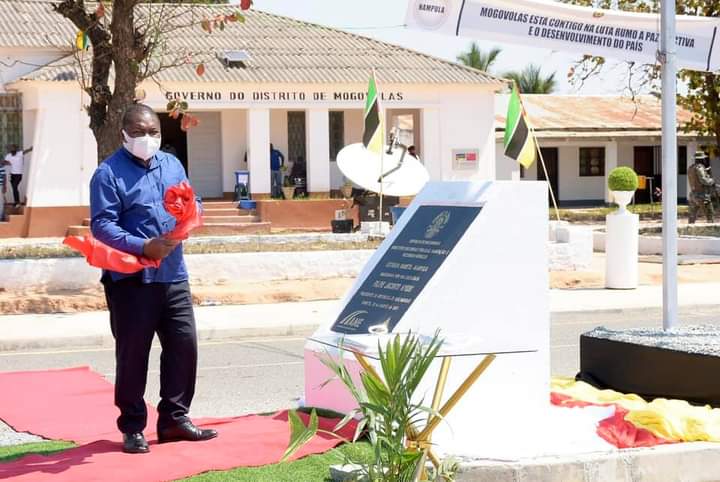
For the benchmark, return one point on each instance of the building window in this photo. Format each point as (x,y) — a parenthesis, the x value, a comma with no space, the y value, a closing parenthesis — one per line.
(10,120)
(337,134)
(592,161)
(296,136)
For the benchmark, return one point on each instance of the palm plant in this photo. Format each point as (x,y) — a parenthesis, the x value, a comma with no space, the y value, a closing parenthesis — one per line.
(531,81)
(477,59)
(388,407)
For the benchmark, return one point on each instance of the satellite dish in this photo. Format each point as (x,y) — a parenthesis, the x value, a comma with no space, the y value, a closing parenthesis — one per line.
(402,174)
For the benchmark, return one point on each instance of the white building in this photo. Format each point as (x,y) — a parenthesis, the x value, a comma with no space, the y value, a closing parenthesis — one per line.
(301,88)
(583,138)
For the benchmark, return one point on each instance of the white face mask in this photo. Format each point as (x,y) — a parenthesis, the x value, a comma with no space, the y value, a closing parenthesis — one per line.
(142,147)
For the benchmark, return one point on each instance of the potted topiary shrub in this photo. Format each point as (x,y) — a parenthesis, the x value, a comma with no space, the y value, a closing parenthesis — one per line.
(622,183)
(621,233)
(288,188)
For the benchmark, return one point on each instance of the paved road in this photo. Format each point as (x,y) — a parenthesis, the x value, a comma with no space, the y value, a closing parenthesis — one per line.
(260,375)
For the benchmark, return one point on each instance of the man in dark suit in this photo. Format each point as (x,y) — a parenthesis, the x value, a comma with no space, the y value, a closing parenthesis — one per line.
(126,203)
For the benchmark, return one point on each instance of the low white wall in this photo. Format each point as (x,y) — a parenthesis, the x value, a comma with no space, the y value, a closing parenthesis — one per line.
(205,269)
(570,248)
(650,245)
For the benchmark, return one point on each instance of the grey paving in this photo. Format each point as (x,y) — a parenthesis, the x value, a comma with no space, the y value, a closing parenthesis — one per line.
(243,376)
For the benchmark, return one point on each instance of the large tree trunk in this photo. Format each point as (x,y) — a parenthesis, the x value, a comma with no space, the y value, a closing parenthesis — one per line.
(119,46)
(127,52)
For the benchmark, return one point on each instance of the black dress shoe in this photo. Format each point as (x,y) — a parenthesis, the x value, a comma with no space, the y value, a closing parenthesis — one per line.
(185,431)
(135,443)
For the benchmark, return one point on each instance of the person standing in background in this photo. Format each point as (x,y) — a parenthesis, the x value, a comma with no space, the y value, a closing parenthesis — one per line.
(277,161)
(16,160)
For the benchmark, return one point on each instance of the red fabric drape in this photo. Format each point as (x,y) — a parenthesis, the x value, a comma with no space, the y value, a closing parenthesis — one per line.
(614,429)
(103,256)
(179,201)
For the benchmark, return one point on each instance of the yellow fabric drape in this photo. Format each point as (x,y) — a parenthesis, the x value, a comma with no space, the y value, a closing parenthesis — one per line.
(674,420)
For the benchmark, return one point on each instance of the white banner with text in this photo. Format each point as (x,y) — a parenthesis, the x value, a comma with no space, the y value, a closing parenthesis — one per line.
(557,26)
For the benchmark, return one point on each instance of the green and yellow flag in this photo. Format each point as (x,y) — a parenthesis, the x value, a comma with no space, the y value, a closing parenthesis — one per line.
(373,133)
(81,40)
(519,141)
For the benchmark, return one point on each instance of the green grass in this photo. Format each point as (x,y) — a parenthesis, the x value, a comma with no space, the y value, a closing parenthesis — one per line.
(13,452)
(597,215)
(194,246)
(315,468)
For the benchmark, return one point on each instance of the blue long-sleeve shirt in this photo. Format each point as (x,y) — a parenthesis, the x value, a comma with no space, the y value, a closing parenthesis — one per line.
(276,160)
(126,208)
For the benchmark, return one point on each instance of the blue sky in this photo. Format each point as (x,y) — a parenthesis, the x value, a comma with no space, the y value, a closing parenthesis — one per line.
(383,19)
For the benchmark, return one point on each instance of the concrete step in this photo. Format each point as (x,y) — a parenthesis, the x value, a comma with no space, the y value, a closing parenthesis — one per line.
(230,229)
(228,212)
(219,204)
(14,225)
(78,230)
(229,219)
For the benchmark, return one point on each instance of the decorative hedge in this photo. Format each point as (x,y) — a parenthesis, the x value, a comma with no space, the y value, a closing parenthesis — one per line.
(622,179)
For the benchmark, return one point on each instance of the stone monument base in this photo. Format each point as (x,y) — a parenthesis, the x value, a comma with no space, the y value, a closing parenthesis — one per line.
(677,364)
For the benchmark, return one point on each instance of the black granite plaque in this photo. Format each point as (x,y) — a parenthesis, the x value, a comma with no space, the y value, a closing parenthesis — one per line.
(406,267)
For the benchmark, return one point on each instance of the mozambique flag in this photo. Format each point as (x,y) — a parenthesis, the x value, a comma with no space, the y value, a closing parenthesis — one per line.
(372,135)
(519,141)
(81,40)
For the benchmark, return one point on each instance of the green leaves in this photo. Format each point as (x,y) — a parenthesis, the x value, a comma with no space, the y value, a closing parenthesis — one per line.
(387,402)
(299,433)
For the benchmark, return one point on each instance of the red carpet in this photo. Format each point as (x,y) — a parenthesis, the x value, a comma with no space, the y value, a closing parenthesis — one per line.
(82,404)
(83,409)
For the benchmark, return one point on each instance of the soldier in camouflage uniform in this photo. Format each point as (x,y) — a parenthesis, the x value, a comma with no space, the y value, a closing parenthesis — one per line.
(701,189)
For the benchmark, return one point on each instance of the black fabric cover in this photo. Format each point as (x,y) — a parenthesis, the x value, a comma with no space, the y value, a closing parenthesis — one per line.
(650,372)
(342,226)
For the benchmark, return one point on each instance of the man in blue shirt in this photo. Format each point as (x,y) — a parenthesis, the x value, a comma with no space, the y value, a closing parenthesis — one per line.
(277,161)
(127,213)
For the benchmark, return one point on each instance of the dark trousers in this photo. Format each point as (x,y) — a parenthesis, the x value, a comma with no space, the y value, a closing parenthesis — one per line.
(15,182)
(137,312)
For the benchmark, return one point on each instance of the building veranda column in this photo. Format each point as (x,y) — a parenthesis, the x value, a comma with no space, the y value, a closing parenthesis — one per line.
(258,152)
(317,143)
(431,147)
(611,162)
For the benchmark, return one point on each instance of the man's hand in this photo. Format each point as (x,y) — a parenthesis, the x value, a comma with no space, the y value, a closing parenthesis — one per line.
(158,248)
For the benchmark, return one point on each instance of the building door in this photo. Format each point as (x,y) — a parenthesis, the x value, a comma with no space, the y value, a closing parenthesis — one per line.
(204,147)
(644,164)
(174,139)
(550,155)
(296,136)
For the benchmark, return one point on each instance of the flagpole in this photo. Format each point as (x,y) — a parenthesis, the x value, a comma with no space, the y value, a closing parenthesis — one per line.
(539,152)
(547,178)
(668,54)
(382,170)
(382,151)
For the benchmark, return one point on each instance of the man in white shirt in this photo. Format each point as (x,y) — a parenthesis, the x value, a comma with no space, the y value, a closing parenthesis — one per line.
(16,160)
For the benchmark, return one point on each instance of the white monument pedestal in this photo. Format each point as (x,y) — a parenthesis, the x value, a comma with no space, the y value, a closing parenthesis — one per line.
(492,290)
(621,250)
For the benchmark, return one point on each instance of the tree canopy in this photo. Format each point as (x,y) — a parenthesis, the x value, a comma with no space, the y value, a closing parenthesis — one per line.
(702,96)
(478,59)
(129,40)
(530,80)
